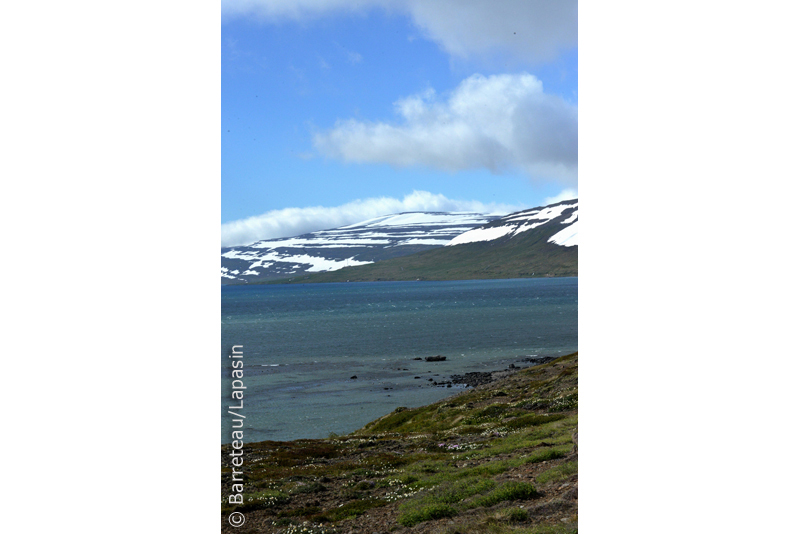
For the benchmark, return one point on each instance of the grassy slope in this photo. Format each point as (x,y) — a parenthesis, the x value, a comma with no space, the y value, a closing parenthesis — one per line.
(517,257)
(499,458)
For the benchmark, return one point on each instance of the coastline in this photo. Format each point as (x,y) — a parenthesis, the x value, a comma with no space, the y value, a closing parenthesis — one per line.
(499,456)
(324,279)
(305,342)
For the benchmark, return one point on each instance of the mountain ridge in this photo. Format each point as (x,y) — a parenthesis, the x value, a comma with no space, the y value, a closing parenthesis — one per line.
(533,242)
(375,239)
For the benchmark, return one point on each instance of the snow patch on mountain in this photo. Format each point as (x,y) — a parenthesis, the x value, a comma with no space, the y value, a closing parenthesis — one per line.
(419,241)
(355,244)
(316,263)
(391,236)
(572,218)
(518,223)
(482,234)
(568,237)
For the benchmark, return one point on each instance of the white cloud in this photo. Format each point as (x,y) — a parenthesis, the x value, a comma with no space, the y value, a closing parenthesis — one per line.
(566,194)
(498,122)
(298,10)
(290,222)
(533,30)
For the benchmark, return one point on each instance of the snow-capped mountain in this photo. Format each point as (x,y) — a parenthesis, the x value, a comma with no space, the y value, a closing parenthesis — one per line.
(565,233)
(369,241)
(539,242)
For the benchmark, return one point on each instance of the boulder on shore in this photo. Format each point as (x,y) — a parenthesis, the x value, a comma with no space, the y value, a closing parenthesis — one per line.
(474,379)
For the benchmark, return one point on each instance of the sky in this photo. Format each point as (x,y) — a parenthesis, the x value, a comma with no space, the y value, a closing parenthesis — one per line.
(112,201)
(334,113)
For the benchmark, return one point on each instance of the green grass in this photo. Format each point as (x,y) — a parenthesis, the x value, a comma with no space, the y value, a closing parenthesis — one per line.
(532,420)
(557,432)
(453,491)
(493,410)
(510,491)
(426,513)
(305,511)
(568,402)
(312,487)
(464,494)
(491,468)
(558,473)
(513,515)
(428,463)
(548,454)
(469,429)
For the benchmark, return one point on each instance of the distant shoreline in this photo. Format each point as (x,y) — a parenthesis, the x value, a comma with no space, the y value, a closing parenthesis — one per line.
(308,280)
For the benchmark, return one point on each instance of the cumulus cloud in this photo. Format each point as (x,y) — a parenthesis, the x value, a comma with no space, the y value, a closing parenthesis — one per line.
(566,194)
(290,222)
(533,30)
(498,123)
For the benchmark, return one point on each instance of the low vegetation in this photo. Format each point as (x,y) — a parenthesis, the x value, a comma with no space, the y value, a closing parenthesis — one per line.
(499,458)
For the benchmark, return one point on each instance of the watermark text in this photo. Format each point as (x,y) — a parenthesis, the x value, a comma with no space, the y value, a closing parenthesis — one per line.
(237,519)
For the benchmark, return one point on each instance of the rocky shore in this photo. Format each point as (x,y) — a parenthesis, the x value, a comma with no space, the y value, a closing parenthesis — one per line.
(499,457)
(480,378)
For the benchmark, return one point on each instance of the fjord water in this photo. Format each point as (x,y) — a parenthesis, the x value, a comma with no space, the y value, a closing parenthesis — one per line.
(303,343)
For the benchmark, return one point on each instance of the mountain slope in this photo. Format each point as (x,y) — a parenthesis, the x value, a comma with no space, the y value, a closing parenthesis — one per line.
(369,241)
(536,242)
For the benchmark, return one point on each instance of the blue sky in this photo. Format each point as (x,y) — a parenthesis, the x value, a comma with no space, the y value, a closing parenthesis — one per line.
(332,114)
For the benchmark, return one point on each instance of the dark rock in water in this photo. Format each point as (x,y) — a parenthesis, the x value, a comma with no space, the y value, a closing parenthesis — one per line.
(472,379)
(417,358)
(435,358)
(512,366)
(417,377)
(353,377)
(430,380)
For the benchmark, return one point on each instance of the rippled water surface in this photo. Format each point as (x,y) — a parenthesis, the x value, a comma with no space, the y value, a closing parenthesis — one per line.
(303,343)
